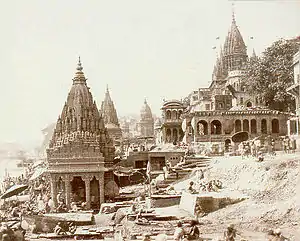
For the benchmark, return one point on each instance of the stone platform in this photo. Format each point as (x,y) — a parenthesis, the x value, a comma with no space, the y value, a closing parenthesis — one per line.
(208,202)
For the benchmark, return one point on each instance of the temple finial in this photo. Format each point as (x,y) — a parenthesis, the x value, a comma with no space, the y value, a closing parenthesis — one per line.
(233,13)
(145,101)
(106,87)
(79,66)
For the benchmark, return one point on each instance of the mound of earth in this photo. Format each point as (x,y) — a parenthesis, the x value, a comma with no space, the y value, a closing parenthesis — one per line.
(272,188)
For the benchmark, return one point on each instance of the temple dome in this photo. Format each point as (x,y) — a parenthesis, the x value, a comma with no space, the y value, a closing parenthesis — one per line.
(146,112)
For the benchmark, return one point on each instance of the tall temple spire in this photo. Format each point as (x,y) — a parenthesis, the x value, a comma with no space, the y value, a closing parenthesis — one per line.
(235,50)
(108,110)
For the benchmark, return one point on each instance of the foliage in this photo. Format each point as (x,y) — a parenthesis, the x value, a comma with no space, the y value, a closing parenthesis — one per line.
(269,76)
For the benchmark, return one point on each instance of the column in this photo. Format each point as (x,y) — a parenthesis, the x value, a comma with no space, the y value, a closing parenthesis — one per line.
(87,183)
(297,126)
(67,190)
(101,188)
(172,140)
(53,189)
(258,122)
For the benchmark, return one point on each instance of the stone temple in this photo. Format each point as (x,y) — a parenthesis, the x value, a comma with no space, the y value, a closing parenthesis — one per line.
(80,153)
(110,117)
(209,117)
(146,123)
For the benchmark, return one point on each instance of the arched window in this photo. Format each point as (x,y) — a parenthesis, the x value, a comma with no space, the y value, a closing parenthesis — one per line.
(253,126)
(168,115)
(245,125)
(238,125)
(174,114)
(275,126)
(264,129)
(179,114)
(216,127)
(202,127)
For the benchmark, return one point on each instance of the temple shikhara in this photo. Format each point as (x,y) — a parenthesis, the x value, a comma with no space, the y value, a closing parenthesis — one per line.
(110,117)
(81,152)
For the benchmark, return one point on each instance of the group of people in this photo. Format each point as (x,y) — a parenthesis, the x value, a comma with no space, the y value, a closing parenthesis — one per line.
(193,232)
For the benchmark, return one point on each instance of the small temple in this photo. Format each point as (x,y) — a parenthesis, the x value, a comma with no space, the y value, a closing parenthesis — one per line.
(81,152)
(146,123)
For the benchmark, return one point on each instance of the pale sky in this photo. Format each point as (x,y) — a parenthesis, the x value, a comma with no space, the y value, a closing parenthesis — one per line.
(155,49)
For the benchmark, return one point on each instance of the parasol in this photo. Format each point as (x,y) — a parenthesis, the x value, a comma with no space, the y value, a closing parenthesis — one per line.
(14,190)
(240,136)
(37,173)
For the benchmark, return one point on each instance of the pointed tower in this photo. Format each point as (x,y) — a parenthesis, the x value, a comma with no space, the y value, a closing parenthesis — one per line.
(235,50)
(110,118)
(80,153)
(253,56)
(146,124)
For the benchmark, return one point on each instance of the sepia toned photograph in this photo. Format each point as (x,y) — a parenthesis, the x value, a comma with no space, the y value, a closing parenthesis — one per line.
(162,120)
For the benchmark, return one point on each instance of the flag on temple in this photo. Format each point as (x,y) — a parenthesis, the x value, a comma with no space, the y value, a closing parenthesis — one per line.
(217,37)
(148,172)
(251,37)
(214,47)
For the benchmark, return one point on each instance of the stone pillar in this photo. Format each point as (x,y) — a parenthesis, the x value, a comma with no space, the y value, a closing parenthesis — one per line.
(258,122)
(297,126)
(101,188)
(171,138)
(87,183)
(53,189)
(67,190)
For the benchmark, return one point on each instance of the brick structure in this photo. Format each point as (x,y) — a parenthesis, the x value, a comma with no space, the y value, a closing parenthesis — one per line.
(80,153)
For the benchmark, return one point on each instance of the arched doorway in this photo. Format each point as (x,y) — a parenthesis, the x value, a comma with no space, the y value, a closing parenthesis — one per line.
(175,135)
(238,125)
(275,126)
(245,125)
(95,194)
(253,126)
(202,128)
(168,135)
(264,129)
(227,145)
(216,127)
(78,190)
(249,104)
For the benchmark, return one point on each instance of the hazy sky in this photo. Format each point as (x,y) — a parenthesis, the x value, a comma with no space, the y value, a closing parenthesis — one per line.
(155,49)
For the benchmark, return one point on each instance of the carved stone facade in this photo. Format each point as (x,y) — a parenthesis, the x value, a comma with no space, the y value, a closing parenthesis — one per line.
(110,118)
(81,152)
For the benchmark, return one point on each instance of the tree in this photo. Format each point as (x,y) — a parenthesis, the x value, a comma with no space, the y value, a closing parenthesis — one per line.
(269,76)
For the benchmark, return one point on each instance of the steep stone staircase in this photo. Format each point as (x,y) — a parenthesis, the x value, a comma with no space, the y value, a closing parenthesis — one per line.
(180,172)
